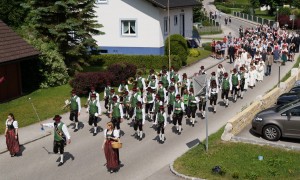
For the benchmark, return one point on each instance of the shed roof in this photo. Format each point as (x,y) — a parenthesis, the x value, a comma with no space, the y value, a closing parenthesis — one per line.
(12,46)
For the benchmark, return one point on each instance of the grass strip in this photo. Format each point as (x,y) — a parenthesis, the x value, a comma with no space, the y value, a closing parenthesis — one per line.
(238,161)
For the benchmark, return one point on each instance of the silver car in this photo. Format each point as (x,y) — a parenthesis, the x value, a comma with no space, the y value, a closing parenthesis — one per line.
(279,121)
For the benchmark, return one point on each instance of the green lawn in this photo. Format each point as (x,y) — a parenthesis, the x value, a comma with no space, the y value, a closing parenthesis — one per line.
(239,161)
(203,54)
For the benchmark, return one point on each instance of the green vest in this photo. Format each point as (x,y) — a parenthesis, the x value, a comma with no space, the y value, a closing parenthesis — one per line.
(126,99)
(160,118)
(185,99)
(192,98)
(93,107)
(177,105)
(139,114)
(149,97)
(184,83)
(156,106)
(161,92)
(122,88)
(134,100)
(176,77)
(172,74)
(74,104)
(234,80)
(140,83)
(107,91)
(152,83)
(116,111)
(171,98)
(58,133)
(164,80)
(225,84)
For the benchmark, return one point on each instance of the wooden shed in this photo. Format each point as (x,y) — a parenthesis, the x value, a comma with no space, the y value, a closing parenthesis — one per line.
(13,52)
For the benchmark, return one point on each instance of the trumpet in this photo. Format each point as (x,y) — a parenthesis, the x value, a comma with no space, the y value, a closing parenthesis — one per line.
(131,80)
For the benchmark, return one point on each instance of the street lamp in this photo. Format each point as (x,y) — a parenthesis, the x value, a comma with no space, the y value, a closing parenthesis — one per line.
(277,8)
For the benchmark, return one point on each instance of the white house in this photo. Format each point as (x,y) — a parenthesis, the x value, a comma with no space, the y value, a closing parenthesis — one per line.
(141,26)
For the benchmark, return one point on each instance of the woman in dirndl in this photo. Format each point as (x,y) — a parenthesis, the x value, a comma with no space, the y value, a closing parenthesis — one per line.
(11,134)
(111,154)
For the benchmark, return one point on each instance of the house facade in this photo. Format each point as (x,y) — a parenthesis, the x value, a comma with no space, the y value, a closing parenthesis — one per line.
(141,26)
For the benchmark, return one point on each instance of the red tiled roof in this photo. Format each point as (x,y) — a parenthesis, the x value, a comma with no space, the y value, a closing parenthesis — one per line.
(12,46)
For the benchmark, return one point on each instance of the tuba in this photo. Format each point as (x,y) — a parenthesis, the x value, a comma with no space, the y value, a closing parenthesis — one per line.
(131,80)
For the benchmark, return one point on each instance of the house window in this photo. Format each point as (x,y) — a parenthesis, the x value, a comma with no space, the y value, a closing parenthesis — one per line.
(166,25)
(175,20)
(101,1)
(128,27)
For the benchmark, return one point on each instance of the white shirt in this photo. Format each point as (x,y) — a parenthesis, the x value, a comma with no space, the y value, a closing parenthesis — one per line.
(97,96)
(115,132)
(15,123)
(64,129)
(181,105)
(125,86)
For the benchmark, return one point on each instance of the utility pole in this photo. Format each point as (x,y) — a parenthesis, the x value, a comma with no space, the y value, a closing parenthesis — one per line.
(169,43)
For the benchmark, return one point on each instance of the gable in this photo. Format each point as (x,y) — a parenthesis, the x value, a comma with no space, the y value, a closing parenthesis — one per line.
(12,46)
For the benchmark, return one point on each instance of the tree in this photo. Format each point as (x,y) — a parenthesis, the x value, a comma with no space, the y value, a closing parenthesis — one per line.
(272,4)
(12,13)
(198,13)
(70,24)
(178,47)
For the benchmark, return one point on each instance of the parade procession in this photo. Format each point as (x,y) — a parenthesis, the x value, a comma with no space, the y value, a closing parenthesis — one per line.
(166,99)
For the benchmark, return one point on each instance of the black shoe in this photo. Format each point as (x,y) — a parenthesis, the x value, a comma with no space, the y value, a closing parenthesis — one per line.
(193,125)
(94,134)
(60,163)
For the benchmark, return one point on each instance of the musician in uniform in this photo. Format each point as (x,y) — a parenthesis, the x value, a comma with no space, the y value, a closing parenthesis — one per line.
(106,95)
(202,70)
(161,122)
(140,82)
(122,88)
(117,113)
(185,98)
(148,99)
(213,94)
(165,79)
(185,83)
(126,104)
(135,97)
(178,113)
(243,76)
(153,84)
(151,74)
(192,105)
(110,100)
(93,92)
(202,102)
(174,84)
(139,120)
(94,110)
(155,108)
(213,78)
(220,74)
(235,84)
(75,108)
(162,92)
(226,85)
(170,102)
(61,136)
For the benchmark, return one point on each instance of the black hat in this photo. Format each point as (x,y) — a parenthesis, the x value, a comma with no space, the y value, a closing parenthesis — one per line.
(57,117)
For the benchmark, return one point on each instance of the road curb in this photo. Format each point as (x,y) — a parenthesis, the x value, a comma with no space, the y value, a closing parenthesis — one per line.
(181,175)
(262,143)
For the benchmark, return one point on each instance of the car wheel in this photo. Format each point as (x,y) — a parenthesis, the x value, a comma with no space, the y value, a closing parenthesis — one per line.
(271,133)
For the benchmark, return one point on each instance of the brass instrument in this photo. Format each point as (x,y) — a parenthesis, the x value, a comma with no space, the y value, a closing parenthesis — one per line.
(67,103)
(131,80)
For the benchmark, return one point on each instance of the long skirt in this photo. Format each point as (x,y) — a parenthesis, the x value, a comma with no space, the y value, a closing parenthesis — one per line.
(111,155)
(12,143)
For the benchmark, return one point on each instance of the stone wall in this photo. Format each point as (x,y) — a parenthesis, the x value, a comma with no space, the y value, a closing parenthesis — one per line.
(242,119)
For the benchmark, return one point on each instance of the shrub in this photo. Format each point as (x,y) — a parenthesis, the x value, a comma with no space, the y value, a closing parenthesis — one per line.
(206,46)
(141,61)
(178,47)
(224,9)
(194,52)
(121,71)
(82,82)
(148,61)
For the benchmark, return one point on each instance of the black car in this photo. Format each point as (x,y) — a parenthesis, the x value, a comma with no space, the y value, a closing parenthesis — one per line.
(287,97)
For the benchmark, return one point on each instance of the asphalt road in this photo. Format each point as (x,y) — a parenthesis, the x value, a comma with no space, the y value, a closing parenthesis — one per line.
(146,159)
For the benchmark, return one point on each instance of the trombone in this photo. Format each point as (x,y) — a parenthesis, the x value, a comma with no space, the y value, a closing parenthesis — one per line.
(67,103)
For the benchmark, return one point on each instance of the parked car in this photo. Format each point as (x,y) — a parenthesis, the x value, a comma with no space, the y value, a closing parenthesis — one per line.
(287,97)
(278,121)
